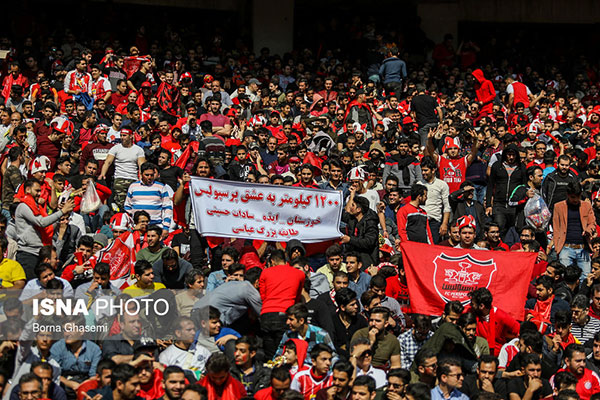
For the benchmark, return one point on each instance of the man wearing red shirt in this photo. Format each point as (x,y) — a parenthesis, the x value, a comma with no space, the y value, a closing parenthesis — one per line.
(50,144)
(280,287)
(42,127)
(588,382)
(493,324)
(14,77)
(412,219)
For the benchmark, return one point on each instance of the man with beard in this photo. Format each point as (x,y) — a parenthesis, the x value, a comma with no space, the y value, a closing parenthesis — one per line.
(492,239)
(588,382)
(453,238)
(341,379)
(247,370)
(280,382)
(506,327)
(546,305)
(169,174)
(485,379)
(403,165)
(173,383)
(125,384)
(522,193)
(98,149)
(555,186)
(437,206)
(346,321)
(412,221)
(505,176)
(362,225)
(467,323)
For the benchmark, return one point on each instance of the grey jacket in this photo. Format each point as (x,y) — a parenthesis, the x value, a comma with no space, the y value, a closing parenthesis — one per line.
(232,299)
(28,239)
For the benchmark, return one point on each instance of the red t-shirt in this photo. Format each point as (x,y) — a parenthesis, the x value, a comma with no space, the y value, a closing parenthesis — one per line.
(453,172)
(280,288)
(587,384)
(505,327)
(46,147)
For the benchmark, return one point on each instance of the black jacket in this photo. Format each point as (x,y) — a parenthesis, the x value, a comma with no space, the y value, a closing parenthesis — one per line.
(500,184)
(260,380)
(364,236)
(554,187)
(459,209)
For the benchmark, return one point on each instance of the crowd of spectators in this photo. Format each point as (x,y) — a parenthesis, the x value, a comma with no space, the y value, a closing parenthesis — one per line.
(447,150)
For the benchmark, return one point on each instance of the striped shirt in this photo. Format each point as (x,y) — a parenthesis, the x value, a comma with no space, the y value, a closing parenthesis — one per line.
(583,333)
(155,199)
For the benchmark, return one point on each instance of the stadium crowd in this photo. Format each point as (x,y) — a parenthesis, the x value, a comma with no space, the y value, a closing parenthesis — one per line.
(447,151)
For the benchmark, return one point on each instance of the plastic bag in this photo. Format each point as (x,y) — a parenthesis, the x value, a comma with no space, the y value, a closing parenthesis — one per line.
(537,213)
(90,201)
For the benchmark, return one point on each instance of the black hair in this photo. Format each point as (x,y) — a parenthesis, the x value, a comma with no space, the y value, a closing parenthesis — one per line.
(419,391)
(102,269)
(123,373)
(545,281)
(365,380)
(217,362)
(454,306)
(487,359)
(318,349)
(281,373)
(299,311)
(250,341)
(171,369)
(253,274)
(343,366)
(563,318)
(417,190)
(444,366)
(345,296)
(86,241)
(141,266)
(482,296)
(401,373)
(572,349)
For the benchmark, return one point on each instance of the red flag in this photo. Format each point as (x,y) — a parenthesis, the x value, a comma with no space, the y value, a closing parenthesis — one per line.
(438,274)
(132,64)
(183,159)
(120,255)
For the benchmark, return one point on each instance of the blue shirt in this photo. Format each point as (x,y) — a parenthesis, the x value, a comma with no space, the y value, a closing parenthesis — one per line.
(215,279)
(86,363)
(436,394)
(362,285)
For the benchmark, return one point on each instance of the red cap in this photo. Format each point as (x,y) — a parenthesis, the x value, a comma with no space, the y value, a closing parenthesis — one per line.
(146,84)
(407,120)
(208,78)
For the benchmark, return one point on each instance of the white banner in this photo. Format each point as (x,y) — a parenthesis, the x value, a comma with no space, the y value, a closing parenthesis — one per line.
(265,212)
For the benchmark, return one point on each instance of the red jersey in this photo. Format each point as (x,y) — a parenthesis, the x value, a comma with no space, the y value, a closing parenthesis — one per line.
(100,88)
(453,172)
(78,81)
(504,328)
(587,384)
(308,384)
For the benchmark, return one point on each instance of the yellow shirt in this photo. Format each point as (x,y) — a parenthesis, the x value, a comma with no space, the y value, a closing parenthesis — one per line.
(326,270)
(10,272)
(136,291)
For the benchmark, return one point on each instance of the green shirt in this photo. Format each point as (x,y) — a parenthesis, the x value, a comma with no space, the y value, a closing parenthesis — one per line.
(146,254)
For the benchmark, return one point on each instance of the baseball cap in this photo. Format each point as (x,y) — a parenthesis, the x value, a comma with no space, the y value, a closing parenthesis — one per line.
(146,85)
(295,159)
(254,80)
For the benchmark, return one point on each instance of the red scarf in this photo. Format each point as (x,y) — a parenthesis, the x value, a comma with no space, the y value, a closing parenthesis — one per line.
(233,390)
(45,233)
(544,307)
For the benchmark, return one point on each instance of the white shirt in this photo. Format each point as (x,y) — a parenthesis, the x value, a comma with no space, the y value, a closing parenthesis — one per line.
(377,374)
(437,199)
(192,360)
(126,161)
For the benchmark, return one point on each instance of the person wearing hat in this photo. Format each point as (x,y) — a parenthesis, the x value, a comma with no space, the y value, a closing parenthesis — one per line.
(451,166)
(467,228)
(253,90)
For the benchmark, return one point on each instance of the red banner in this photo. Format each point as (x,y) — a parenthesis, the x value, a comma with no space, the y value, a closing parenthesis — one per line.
(438,274)
(120,255)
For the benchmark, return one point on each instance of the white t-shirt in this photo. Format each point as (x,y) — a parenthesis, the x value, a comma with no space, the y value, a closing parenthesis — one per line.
(509,89)
(113,135)
(192,360)
(126,161)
